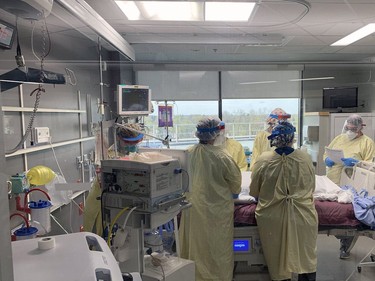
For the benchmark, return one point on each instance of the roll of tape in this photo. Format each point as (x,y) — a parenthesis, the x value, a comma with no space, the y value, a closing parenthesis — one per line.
(46,243)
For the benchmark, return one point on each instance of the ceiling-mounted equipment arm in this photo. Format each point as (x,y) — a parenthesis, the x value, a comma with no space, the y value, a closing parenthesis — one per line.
(79,9)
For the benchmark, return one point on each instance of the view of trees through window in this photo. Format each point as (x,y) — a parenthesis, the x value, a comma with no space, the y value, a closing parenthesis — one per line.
(243,119)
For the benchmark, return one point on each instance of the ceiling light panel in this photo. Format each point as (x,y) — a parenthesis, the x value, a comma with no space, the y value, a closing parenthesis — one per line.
(162,10)
(186,10)
(356,35)
(228,11)
(130,9)
(173,11)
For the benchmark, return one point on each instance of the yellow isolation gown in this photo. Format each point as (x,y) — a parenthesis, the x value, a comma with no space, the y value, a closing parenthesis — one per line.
(92,218)
(285,213)
(237,152)
(261,144)
(206,229)
(361,148)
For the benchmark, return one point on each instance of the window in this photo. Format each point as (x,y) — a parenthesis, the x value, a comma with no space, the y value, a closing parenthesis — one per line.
(185,116)
(244,118)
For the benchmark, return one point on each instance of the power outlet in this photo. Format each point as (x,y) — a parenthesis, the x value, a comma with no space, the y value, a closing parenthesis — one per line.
(40,135)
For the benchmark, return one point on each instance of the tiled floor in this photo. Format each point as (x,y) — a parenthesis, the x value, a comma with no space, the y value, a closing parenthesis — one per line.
(330,267)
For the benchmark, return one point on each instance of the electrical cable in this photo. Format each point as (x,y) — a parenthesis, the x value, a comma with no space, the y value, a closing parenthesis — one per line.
(127,217)
(113,223)
(184,190)
(54,155)
(39,90)
(158,262)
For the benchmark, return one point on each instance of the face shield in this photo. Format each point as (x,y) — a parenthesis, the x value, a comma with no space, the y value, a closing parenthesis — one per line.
(353,126)
(128,138)
(276,115)
(220,139)
(209,129)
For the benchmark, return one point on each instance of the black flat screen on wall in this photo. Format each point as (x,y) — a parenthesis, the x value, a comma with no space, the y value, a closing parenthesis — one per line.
(7,33)
(344,97)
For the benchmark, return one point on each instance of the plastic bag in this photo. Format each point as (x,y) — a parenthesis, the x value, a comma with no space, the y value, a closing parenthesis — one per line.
(58,197)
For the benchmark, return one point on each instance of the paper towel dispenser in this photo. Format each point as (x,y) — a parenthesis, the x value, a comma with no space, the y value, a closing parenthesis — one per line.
(312,133)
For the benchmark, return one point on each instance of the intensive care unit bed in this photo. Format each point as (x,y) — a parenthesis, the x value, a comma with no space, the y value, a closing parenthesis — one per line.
(337,219)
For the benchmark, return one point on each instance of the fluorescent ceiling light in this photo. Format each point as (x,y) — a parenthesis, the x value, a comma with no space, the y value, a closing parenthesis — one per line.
(312,79)
(186,10)
(356,35)
(130,10)
(258,82)
(176,11)
(161,10)
(228,11)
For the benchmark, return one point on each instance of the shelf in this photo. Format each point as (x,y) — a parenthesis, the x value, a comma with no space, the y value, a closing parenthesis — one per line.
(30,109)
(47,146)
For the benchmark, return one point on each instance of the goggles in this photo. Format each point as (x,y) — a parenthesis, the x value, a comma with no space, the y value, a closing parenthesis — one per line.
(353,128)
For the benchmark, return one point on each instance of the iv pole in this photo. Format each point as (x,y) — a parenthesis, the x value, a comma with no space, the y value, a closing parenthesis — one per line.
(166,121)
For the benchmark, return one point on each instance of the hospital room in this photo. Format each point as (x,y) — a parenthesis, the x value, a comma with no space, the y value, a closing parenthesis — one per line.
(187,140)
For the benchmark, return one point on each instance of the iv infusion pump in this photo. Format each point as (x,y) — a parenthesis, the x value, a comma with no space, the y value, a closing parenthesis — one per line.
(149,186)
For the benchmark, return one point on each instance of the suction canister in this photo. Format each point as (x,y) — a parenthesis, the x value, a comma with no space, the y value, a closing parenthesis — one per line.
(26,233)
(40,215)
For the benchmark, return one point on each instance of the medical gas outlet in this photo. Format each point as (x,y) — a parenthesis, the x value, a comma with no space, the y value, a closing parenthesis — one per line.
(40,135)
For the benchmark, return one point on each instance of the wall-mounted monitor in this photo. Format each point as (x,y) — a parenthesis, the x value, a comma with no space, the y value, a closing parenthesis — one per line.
(340,97)
(7,34)
(133,100)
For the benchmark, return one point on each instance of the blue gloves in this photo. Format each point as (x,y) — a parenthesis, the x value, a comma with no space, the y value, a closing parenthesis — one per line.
(350,162)
(329,162)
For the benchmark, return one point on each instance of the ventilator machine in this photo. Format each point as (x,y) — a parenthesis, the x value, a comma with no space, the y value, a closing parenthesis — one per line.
(138,198)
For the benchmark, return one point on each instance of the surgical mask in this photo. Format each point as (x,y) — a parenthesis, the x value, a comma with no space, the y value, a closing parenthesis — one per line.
(351,135)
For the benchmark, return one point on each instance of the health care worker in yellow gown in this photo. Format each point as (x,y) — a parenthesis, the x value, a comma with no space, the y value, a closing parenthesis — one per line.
(283,180)
(127,141)
(261,143)
(206,229)
(236,150)
(356,147)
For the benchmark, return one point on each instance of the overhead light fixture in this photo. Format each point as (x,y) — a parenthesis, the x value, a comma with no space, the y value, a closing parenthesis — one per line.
(161,10)
(186,10)
(312,79)
(356,35)
(228,11)
(173,11)
(130,9)
(258,82)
